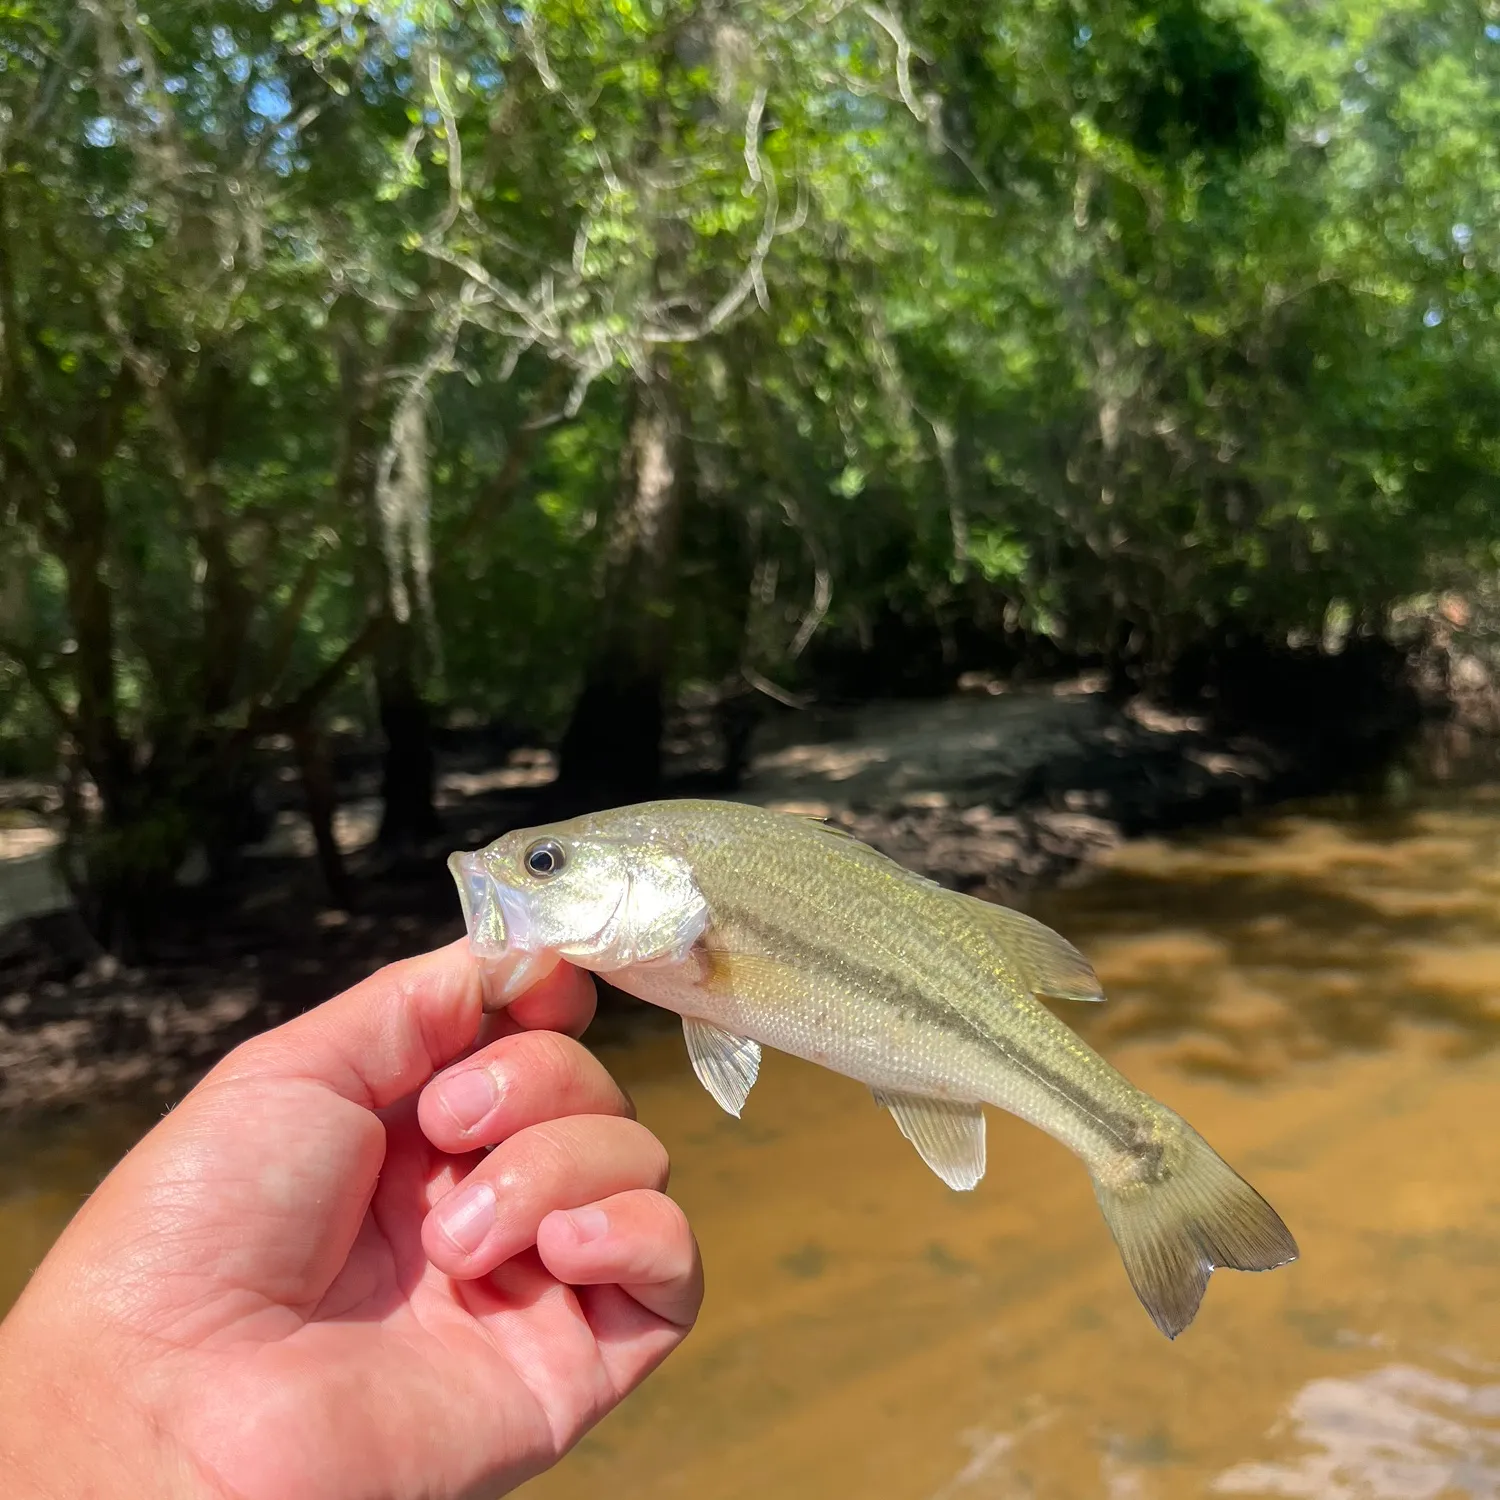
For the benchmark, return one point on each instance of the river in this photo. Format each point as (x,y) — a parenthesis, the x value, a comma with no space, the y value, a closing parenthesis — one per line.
(1318,991)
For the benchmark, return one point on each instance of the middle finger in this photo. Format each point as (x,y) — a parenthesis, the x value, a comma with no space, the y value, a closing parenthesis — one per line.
(561,1164)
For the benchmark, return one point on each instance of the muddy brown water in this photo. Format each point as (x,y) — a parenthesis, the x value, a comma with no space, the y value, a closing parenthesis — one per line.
(1319,992)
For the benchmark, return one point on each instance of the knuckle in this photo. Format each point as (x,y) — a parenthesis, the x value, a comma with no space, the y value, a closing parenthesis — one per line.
(656,1165)
(537,1156)
(559,1057)
(398,982)
(670,1229)
(254,1055)
(580,1149)
(561,1069)
(671,1259)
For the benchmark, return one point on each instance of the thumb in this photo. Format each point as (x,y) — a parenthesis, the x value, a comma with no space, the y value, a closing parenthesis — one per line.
(379,1041)
(258,1182)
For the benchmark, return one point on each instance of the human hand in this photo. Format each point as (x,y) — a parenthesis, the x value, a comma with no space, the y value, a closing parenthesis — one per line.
(310,1280)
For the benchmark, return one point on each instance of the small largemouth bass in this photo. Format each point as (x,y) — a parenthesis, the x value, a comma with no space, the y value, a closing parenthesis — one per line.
(767,929)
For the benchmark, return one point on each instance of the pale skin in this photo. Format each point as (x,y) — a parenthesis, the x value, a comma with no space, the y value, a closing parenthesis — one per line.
(311,1282)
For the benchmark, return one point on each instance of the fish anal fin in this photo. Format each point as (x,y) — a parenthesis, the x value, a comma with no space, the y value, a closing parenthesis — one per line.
(726,1065)
(949,1136)
(1177,1224)
(1049,963)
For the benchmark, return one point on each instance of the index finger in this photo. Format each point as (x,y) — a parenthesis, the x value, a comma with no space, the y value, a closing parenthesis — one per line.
(386,1036)
(562,1001)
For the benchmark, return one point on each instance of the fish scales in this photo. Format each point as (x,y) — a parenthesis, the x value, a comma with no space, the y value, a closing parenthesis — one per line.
(914,977)
(762,928)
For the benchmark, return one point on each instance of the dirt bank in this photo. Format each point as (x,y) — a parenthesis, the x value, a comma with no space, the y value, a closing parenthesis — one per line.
(994,791)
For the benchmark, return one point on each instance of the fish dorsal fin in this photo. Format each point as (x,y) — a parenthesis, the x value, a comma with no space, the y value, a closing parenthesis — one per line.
(1048,962)
(832,829)
(1050,965)
(948,1136)
(853,844)
(726,1065)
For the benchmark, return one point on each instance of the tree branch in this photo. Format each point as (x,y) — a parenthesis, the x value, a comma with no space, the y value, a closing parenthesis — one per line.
(499,493)
(13,385)
(284,628)
(289,717)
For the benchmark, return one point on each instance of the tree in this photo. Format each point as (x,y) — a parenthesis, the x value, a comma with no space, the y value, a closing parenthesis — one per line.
(537,361)
(174,500)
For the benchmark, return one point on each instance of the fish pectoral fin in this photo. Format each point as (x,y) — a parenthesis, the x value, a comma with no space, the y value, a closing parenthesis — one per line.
(1051,965)
(726,1065)
(948,1136)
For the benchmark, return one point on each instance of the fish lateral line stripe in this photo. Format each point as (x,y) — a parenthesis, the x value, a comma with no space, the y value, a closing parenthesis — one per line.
(1122,1129)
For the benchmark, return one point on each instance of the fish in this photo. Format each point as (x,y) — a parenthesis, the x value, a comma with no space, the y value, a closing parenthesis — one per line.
(763,928)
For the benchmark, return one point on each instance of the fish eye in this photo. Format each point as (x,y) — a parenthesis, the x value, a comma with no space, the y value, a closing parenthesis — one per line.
(544,858)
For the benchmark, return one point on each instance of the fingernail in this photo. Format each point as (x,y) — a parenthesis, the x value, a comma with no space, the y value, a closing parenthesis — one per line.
(468,1217)
(588,1224)
(468,1096)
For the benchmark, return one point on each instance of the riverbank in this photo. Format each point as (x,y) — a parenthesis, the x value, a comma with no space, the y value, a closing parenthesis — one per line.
(997,791)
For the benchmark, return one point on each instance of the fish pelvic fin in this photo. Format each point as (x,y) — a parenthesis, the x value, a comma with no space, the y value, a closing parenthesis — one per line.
(1178,1212)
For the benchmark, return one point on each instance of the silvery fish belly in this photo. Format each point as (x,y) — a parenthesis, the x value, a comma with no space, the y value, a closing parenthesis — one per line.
(766,929)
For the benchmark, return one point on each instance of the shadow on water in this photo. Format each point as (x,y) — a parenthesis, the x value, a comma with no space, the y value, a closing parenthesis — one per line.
(1299,937)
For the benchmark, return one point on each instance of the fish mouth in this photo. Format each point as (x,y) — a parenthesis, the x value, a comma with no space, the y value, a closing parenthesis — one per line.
(498,917)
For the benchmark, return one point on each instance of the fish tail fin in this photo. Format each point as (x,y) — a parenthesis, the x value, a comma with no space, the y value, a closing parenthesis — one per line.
(1179,1212)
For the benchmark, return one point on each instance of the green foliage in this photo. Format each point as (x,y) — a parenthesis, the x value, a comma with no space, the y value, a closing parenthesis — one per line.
(325,325)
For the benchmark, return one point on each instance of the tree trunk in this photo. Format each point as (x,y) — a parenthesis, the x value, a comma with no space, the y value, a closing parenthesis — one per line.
(611,750)
(91,610)
(389,478)
(409,769)
(119,855)
(319,788)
